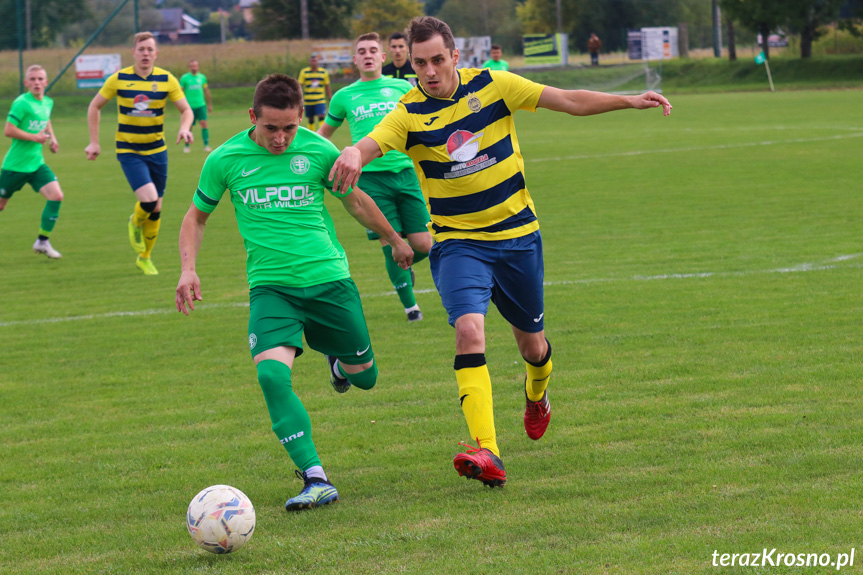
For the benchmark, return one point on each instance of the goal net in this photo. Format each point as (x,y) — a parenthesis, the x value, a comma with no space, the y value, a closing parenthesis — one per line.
(627,78)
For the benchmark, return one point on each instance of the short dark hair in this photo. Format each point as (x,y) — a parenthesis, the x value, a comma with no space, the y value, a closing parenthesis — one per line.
(424,28)
(373,36)
(277,91)
(496,47)
(397,36)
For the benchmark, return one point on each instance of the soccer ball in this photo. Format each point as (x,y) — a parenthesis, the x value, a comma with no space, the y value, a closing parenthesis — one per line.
(220,519)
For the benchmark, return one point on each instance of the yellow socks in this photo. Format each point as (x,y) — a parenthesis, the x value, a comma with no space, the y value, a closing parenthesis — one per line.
(151,232)
(140,215)
(474,390)
(538,375)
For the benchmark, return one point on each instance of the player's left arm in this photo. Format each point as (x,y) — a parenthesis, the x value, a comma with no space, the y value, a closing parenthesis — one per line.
(53,144)
(186,119)
(587,103)
(191,237)
(364,210)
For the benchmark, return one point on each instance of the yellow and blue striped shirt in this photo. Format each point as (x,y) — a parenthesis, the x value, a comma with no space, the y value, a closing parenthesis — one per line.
(466,154)
(141,108)
(314,85)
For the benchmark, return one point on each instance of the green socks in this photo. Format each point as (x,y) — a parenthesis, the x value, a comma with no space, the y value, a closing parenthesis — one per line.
(401,279)
(49,217)
(205,135)
(291,422)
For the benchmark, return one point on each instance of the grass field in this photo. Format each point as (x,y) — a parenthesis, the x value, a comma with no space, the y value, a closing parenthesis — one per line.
(703,280)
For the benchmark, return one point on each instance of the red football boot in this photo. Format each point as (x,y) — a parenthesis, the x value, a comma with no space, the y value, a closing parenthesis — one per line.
(537,414)
(480,463)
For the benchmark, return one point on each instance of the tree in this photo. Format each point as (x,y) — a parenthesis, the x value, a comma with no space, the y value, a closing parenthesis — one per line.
(807,16)
(48,18)
(495,18)
(761,16)
(384,16)
(277,19)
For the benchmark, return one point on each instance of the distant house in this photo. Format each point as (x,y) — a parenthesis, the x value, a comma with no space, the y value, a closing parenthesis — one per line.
(245,6)
(176,27)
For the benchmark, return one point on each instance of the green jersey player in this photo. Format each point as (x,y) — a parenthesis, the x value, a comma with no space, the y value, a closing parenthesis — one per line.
(275,175)
(390,180)
(194,85)
(29,126)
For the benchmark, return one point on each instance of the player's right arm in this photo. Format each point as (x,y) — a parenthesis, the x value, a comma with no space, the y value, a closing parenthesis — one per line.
(347,169)
(191,237)
(94,114)
(13,131)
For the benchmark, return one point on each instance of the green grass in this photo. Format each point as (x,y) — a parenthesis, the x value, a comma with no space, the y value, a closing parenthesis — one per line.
(702,298)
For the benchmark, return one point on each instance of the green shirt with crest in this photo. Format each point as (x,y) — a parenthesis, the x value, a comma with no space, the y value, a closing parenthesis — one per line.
(31,115)
(279,204)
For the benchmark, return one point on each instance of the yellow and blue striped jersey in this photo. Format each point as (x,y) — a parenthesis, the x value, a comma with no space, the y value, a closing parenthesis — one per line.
(314,85)
(141,108)
(466,154)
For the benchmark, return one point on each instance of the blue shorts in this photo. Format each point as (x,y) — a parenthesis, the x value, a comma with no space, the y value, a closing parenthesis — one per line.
(314,110)
(143,170)
(470,273)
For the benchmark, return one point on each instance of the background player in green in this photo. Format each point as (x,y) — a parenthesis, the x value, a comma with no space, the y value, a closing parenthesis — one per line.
(29,126)
(391,180)
(300,284)
(316,91)
(495,62)
(194,85)
(458,128)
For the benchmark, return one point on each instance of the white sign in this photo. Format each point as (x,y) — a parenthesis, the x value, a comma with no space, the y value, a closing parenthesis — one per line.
(473,51)
(92,70)
(334,55)
(659,43)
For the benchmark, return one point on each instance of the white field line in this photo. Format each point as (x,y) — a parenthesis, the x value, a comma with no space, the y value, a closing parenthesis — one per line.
(697,148)
(804,267)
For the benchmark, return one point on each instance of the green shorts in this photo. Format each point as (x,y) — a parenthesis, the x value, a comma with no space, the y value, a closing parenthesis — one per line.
(11,182)
(330,315)
(200,114)
(399,197)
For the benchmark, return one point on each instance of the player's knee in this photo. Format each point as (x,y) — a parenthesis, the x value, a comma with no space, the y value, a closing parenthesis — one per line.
(3,202)
(536,351)
(57,196)
(468,336)
(149,206)
(154,216)
(365,379)
(422,244)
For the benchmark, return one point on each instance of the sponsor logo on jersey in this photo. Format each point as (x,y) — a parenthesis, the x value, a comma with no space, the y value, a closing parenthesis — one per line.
(141,103)
(37,125)
(277,197)
(473,103)
(463,147)
(373,109)
(386,92)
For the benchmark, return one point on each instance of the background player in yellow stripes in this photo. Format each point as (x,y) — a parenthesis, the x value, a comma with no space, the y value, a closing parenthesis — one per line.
(316,92)
(142,92)
(457,126)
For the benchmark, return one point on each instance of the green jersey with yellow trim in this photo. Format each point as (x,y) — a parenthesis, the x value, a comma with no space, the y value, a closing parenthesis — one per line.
(279,204)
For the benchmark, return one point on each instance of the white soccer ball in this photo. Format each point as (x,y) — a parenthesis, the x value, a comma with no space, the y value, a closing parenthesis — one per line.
(220,519)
